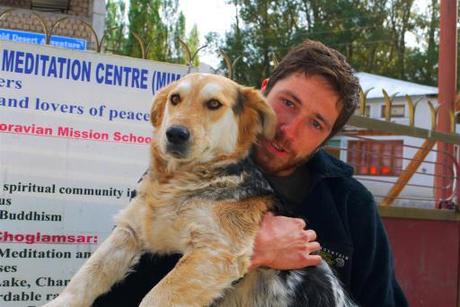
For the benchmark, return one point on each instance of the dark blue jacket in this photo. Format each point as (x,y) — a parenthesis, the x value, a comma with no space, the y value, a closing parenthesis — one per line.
(343,214)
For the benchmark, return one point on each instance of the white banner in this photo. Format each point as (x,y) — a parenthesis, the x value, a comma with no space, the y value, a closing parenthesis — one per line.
(74,133)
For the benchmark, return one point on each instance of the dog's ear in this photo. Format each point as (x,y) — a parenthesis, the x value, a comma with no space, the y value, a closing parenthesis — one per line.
(253,98)
(159,104)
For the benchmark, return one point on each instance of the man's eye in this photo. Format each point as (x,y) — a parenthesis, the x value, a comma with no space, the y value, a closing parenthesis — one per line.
(175,99)
(288,103)
(316,124)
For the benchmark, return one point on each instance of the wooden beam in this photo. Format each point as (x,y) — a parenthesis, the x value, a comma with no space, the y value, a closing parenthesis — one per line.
(419,214)
(375,124)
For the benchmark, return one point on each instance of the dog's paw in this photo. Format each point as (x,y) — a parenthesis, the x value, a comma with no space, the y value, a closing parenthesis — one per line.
(147,303)
(65,300)
(150,301)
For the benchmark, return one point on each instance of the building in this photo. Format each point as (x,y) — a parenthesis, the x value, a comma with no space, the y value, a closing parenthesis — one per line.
(378,157)
(27,16)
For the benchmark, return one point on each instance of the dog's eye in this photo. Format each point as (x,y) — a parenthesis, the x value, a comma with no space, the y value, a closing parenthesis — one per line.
(213,104)
(175,99)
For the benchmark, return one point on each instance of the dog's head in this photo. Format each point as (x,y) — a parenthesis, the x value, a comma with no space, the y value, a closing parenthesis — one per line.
(203,117)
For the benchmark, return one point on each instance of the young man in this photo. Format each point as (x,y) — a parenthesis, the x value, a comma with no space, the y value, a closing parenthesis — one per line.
(313,92)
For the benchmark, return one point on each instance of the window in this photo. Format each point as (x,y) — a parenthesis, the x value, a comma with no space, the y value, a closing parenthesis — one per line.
(397,110)
(333,147)
(376,158)
(62,6)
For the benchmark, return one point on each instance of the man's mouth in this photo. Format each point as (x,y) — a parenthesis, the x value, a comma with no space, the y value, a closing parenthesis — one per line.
(278,147)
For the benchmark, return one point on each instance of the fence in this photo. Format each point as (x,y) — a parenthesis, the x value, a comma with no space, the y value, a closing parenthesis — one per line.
(397,162)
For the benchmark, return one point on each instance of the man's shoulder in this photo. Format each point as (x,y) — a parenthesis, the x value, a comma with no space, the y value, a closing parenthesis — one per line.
(354,186)
(328,166)
(348,192)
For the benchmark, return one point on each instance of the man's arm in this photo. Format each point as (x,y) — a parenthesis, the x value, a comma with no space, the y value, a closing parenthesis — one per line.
(283,243)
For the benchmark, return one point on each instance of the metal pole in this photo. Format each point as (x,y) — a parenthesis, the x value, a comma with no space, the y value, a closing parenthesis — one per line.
(447,80)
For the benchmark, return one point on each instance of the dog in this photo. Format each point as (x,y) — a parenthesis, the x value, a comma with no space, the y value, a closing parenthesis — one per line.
(204,198)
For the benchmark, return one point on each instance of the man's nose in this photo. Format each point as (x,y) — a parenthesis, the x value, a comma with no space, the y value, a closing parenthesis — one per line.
(290,129)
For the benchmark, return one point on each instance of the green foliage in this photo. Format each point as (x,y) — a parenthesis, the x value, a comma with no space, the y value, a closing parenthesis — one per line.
(179,32)
(372,34)
(145,21)
(155,25)
(114,23)
(193,42)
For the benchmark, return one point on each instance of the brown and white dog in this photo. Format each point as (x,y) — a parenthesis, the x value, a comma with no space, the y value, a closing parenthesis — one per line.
(202,197)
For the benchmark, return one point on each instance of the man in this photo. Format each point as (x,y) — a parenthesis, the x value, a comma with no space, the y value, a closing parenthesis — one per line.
(313,92)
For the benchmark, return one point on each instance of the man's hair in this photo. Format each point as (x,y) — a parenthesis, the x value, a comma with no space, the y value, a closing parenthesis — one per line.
(314,58)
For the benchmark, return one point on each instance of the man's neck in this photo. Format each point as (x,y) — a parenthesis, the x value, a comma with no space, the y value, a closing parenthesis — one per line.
(292,188)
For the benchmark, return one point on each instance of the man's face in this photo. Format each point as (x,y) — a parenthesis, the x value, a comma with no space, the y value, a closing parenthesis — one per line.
(306,108)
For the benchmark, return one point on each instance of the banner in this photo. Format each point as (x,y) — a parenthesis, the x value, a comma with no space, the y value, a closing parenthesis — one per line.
(40,38)
(74,134)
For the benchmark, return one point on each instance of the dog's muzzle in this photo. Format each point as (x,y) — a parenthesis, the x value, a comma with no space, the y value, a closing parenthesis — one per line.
(178,139)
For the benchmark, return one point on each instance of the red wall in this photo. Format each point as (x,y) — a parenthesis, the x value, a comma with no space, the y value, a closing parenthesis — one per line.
(427,259)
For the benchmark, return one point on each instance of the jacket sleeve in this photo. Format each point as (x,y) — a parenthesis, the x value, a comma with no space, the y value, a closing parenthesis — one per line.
(373,280)
(144,276)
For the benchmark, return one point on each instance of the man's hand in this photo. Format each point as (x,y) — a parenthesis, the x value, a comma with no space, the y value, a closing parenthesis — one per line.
(282,243)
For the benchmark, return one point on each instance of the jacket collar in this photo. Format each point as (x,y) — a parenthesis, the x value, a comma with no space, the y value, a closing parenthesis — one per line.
(327,166)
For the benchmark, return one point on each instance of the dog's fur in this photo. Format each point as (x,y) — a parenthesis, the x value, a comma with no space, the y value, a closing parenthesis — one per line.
(204,198)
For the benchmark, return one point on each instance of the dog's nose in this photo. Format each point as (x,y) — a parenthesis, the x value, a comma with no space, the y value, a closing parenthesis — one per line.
(177,135)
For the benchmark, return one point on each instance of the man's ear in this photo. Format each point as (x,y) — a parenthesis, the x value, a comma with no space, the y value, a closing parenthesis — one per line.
(264,85)
(267,116)
(159,104)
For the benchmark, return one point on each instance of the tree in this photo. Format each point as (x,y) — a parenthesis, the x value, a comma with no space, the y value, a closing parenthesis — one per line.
(145,21)
(179,33)
(233,47)
(260,33)
(174,21)
(422,63)
(400,22)
(193,42)
(158,24)
(371,34)
(114,26)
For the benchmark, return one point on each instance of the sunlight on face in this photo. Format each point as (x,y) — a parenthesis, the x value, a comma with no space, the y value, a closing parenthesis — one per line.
(306,108)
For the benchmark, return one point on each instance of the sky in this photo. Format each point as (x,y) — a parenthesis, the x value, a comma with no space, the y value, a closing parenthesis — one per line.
(217,16)
(209,16)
